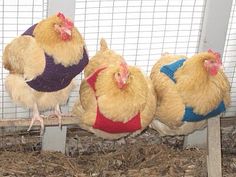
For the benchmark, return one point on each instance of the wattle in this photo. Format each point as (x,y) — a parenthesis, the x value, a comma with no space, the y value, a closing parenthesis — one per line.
(213,71)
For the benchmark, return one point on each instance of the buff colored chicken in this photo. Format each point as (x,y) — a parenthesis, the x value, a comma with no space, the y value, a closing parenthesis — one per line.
(115,99)
(189,91)
(42,64)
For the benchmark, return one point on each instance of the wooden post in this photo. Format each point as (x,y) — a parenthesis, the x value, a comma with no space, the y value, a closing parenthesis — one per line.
(67,7)
(214,30)
(214,148)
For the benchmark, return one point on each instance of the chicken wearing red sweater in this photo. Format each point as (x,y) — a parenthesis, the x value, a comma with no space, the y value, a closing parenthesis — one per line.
(189,91)
(42,63)
(115,99)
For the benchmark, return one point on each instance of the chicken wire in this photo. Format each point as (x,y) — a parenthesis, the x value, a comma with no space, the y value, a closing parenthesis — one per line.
(15,17)
(140,30)
(229,59)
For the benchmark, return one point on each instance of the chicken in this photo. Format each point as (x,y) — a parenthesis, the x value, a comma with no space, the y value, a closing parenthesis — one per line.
(115,99)
(42,63)
(102,58)
(189,91)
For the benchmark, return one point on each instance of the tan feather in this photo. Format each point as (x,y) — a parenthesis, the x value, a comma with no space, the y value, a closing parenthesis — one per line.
(24,56)
(24,95)
(114,103)
(67,53)
(104,57)
(194,87)
(121,104)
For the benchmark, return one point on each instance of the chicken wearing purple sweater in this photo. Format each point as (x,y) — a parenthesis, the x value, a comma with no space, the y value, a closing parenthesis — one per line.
(42,63)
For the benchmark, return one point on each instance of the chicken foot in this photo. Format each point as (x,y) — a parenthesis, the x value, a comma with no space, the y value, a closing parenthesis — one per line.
(59,115)
(36,117)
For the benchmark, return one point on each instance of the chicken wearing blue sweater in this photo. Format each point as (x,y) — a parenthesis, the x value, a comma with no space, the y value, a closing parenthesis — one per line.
(189,91)
(42,63)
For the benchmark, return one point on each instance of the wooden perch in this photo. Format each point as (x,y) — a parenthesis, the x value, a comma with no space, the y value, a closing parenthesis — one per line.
(48,121)
(72,120)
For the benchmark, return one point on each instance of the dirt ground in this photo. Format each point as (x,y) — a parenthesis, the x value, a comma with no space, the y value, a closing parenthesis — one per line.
(87,155)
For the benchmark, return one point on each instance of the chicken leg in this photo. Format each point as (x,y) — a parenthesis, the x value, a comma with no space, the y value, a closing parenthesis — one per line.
(58,114)
(36,117)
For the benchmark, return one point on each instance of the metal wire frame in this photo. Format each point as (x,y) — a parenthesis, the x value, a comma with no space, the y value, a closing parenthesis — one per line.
(15,17)
(141,30)
(229,59)
(138,30)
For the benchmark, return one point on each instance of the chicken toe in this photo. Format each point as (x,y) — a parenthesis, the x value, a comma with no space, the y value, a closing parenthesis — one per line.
(36,117)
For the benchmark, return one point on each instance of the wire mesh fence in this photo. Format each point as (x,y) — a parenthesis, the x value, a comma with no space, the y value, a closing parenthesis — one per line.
(15,17)
(140,30)
(229,59)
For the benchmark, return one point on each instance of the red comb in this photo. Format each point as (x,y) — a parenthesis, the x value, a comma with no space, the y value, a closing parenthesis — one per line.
(66,21)
(61,16)
(217,55)
(123,64)
(124,68)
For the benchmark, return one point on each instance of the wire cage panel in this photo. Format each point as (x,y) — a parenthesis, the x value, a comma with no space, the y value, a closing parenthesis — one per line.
(229,59)
(15,17)
(139,30)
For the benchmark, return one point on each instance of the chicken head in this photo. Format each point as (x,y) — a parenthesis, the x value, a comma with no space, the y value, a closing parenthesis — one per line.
(212,65)
(64,27)
(122,76)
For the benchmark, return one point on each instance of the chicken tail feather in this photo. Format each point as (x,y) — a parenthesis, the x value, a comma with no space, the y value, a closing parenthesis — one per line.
(103,45)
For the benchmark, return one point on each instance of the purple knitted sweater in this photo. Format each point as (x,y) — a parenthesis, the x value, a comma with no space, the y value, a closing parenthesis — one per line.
(55,76)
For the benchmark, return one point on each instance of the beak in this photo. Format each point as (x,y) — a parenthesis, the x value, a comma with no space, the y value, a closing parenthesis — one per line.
(67,31)
(124,80)
(56,27)
(219,66)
